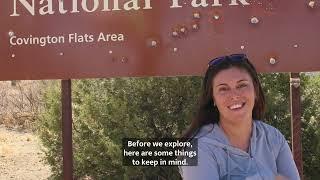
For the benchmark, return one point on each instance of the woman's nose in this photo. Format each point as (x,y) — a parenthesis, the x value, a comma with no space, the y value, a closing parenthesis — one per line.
(234,94)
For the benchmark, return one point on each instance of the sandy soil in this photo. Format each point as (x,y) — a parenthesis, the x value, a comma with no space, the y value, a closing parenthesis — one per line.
(20,156)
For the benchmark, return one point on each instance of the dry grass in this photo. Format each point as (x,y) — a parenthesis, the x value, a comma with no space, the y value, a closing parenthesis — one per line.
(21,157)
(20,103)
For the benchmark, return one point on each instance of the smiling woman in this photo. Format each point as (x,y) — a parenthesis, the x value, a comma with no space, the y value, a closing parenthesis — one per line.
(233,142)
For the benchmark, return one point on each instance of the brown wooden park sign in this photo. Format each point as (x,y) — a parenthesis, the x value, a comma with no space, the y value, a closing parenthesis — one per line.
(74,39)
(56,39)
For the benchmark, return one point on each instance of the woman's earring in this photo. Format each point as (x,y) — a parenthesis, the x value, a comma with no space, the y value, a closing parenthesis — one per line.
(214,104)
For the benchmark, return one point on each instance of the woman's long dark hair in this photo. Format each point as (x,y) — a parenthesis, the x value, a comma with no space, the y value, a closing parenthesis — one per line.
(207,112)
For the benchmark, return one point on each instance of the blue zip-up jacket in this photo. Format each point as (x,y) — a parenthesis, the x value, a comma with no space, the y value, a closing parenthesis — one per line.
(269,155)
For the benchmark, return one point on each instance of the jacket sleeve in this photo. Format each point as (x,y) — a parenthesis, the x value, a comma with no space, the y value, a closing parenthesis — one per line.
(207,168)
(285,162)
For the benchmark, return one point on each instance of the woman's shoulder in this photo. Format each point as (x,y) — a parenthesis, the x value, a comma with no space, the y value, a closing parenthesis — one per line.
(270,133)
(204,131)
(267,129)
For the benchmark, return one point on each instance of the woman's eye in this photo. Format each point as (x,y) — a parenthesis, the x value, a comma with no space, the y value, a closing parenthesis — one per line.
(242,85)
(223,89)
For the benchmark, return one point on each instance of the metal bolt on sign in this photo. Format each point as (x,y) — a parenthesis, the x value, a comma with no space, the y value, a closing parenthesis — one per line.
(312,4)
(254,20)
(183,30)
(273,61)
(124,59)
(195,26)
(196,15)
(153,43)
(216,17)
(11,33)
(175,33)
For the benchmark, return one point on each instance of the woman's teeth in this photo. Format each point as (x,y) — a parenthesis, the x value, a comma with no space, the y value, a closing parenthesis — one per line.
(236,106)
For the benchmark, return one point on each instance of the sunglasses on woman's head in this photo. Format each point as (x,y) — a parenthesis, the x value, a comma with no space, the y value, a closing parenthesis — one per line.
(231,58)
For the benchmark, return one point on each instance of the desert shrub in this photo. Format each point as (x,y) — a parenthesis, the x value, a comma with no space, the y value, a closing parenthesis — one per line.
(20,103)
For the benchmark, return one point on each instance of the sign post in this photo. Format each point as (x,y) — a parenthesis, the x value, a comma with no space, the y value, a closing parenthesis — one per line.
(67,130)
(295,104)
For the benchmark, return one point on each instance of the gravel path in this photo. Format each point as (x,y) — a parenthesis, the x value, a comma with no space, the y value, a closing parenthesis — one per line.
(20,156)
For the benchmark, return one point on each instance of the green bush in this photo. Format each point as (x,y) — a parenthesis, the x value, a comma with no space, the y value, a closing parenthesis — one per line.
(105,111)
(49,129)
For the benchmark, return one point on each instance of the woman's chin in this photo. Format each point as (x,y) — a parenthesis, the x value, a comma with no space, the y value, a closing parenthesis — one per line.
(239,118)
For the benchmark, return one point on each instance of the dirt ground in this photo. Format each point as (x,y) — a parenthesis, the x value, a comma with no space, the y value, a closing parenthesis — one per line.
(20,156)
